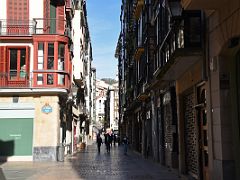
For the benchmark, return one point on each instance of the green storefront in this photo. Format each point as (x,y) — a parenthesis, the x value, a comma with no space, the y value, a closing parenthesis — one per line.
(16,130)
(16,136)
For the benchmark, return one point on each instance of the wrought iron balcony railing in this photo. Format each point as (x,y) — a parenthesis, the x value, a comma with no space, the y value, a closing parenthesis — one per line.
(32,27)
(17,27)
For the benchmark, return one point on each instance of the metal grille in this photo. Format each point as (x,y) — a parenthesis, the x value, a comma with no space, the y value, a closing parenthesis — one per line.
(191,142)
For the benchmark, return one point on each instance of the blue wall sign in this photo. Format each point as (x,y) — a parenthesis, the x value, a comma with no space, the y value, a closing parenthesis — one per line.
(46,108)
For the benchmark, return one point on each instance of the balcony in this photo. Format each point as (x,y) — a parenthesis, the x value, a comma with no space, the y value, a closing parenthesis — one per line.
(139,49)
(33,27)
(70,8)
(14,79)
(181,48)
(203,4)
(143,95)
(42,80)
(17,28)
(138,53)
(138,5)
(50,26)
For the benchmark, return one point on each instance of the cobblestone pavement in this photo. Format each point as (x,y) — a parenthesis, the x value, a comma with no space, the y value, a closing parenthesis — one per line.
(89,164)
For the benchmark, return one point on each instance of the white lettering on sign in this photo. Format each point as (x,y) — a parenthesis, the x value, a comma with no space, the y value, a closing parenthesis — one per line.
(46,108)
(16,136)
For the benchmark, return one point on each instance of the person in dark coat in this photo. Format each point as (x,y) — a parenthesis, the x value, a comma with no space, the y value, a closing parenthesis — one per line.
(107,141)
(125,144)
(99,142)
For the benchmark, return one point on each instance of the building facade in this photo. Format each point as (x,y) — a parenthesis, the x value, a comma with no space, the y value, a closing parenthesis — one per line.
(178,84)
(101,92)
(111,107)
(40,96)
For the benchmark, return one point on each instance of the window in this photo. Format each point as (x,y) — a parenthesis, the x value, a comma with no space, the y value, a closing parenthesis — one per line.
(61,52)
(50,63)
(13,63)
(40,56)
(17,63)
(40,62)
(50,60)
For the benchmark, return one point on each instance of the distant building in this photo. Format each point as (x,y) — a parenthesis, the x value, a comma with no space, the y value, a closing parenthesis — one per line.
(111,107)
(101,90)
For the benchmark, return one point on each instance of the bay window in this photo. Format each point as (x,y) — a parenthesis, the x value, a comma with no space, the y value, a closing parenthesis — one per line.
(51,64)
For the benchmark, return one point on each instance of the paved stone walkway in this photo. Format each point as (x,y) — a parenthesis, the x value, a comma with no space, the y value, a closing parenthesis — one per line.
(90,165)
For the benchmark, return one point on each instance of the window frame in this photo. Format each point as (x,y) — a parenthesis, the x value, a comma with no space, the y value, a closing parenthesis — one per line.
(18,48)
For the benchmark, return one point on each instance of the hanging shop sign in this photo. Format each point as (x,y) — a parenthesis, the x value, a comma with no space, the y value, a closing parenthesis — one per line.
(47,108)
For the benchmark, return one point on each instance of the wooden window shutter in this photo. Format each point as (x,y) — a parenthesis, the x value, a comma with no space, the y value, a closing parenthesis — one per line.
(46,15)
(18,14)
(2,59)
(3,64)
(46,9)
(61,18)
(18,10)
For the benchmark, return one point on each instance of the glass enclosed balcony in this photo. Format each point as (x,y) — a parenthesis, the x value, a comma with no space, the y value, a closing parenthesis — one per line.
(182,46)
(23,79)
(138,5)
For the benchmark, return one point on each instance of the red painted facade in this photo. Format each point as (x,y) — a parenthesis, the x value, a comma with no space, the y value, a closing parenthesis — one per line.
(51,63)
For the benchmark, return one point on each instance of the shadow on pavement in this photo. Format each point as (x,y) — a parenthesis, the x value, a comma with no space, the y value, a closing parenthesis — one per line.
(6,150)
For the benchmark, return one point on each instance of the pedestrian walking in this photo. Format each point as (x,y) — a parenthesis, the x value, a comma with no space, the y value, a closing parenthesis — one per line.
(107,141)
(114,139)
(99,142)
(125,144)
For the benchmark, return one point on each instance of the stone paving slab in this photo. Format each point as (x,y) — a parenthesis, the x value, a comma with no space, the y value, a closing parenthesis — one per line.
(89,164)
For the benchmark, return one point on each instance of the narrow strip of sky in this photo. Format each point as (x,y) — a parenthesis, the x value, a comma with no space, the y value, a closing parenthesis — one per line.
(104,24)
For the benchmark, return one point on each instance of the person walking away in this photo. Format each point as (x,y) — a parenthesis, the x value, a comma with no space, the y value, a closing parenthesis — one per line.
(107,141)
(99,142)
(111,139)
(114,139)
(125,144)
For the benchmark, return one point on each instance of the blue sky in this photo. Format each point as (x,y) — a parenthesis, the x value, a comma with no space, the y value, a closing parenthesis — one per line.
(104,25)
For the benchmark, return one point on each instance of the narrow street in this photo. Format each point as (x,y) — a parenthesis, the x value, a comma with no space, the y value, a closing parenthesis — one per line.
(89,164)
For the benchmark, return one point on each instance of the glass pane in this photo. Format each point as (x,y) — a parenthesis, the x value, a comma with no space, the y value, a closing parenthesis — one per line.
(50,63)
(23,63)
(61,79)
(40,49)
(13,63)
(61,52)
(49,79)
(40,79)
(22,57)
(40,55)
(50,49)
